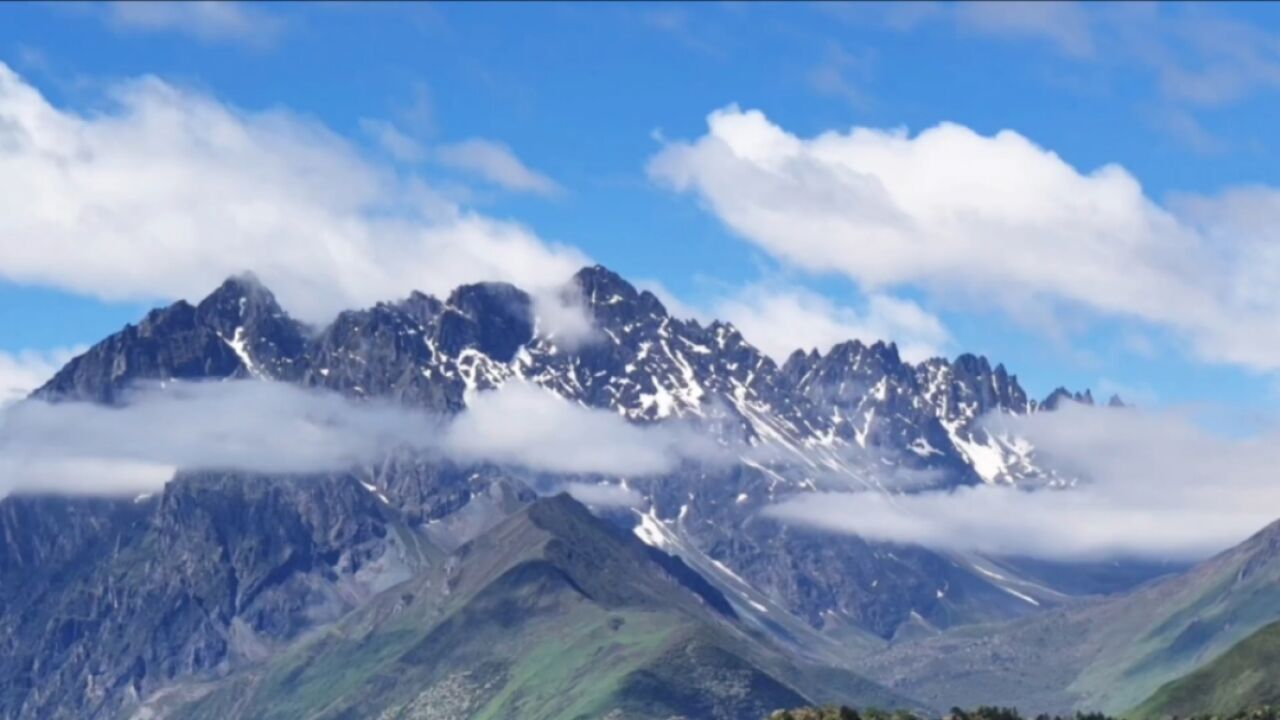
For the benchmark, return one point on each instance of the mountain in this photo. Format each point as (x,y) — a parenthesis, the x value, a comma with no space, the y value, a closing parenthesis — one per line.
(1104,654)
(551,614)
(1242,678)
(108,603)
(106,600)
(831,421)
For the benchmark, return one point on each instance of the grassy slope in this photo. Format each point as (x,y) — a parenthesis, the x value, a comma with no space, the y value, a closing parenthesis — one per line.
(1247,675)
(549,616)
(1101,655)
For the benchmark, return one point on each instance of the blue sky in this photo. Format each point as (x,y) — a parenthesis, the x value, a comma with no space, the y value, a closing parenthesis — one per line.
(551,117)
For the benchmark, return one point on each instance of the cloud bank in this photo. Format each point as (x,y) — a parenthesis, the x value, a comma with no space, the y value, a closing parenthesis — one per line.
(270,427)
(164,192)
(995,220)
(1152,485)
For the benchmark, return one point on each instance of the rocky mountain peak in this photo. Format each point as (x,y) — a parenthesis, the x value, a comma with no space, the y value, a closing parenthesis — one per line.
(1060,395)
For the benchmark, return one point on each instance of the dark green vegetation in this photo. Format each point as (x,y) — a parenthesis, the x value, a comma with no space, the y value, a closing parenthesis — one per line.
(552,614)
(1246,676)
(987,712)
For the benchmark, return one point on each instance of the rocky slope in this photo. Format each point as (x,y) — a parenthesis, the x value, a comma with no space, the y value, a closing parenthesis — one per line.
(552,614)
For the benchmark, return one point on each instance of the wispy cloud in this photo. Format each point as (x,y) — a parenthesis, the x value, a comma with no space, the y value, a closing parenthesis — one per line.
(24,371)
(496,163)
(396,143)
(844,74)
(1151,485)
(1065,25)
(204,20)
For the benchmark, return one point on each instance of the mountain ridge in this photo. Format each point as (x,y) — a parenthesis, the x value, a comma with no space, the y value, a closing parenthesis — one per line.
(832,420)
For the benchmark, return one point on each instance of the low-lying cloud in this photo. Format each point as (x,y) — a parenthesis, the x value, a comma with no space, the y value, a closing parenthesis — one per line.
(270,427)
(1151,485)
(525,425)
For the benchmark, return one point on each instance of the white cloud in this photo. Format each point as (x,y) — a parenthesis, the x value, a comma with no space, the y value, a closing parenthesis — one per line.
(26,370)
(603,494)
(995,220)
(497,164)
(1152,485)
(166,192)
(782,319)
(204,20)
(254,426)
(279,428)
(562,316)
(531,427)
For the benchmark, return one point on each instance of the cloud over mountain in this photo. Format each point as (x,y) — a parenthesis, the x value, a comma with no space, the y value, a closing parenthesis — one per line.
(270,427)
(1151,484)
(995,221)
(165,191)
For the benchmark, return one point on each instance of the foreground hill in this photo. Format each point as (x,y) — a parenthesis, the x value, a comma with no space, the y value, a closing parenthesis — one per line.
(1246,676)
(552,614)
(1105,654)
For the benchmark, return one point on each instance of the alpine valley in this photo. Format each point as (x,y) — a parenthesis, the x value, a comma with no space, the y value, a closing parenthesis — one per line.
(424,585)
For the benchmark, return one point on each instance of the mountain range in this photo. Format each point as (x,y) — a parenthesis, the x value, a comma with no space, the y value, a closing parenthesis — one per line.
(421,586)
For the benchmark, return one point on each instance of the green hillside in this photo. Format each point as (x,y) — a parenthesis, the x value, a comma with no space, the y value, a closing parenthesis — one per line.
(1246,676)
(553,614)
(1106,654)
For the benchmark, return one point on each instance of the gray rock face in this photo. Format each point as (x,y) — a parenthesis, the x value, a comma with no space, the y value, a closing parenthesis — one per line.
(125,595)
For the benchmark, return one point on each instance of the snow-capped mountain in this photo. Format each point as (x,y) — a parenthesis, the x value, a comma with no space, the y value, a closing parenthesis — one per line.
(857,417)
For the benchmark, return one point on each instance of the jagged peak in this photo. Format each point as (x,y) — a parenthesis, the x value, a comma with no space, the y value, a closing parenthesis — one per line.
(855,351)
(242,284)
(593,276)
(1060,394)
(238,297)
(601,287)
(504,291)
(972,364)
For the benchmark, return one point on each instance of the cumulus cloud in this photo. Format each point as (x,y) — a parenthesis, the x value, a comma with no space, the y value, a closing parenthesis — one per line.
(204,20)
(166,192)
(26,370)
(496,163)
(781,319)
(994,219)
(279,428)
(1151,485)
